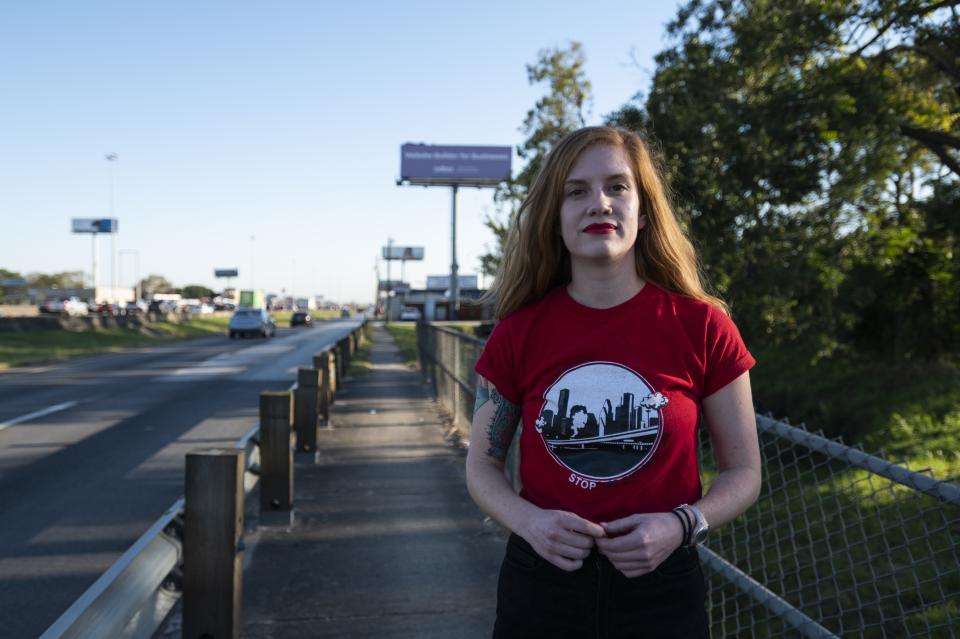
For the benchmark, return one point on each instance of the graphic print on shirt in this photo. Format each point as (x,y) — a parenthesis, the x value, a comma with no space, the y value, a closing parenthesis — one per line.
(601,420)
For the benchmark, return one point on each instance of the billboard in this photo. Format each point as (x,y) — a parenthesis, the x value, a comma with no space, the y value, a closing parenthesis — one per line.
(252,298)
(394,285)
(225,272)
(448,165)
(403,252)
(442,282)
(92,225)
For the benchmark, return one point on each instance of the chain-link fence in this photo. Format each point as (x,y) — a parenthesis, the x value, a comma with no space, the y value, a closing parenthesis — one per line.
(839,544)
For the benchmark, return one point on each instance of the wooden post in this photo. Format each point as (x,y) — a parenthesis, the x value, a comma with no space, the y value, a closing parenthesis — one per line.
(344,345)
(213,524)
(321,362)
(276,454)
(334,374)
(305,408)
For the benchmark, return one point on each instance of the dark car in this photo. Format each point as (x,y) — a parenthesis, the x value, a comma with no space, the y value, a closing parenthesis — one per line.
(301,319)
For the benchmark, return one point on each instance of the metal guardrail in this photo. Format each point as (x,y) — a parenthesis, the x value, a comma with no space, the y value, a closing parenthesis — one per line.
(133,597)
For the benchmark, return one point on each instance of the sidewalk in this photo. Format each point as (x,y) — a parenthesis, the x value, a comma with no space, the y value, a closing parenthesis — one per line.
(386,541)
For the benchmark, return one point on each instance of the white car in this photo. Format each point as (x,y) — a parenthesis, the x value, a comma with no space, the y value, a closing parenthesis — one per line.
(75,306)
(410,313)
(252,321)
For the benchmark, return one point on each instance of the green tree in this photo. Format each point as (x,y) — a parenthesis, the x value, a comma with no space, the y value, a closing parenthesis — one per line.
(196,291)
(812,146)
(64,279)
(155,284)
(559,111)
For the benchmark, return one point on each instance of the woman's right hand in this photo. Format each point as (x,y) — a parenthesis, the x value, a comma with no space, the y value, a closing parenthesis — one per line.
(560,537)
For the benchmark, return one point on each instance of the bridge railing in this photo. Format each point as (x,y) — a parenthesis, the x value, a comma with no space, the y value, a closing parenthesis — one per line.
(134,596)
(840,542)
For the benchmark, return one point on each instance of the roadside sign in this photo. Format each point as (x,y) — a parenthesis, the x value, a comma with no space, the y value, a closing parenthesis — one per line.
(428,164)
(225,272)
(403,252)
(442,282)
(94,225)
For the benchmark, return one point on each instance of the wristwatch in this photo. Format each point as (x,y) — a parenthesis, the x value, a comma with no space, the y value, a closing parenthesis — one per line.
(700,526)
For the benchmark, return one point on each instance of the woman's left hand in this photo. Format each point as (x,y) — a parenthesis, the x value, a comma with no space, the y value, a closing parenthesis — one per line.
(637,544)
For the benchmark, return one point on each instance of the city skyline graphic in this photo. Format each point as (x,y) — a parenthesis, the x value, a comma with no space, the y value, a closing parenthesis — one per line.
(601,420)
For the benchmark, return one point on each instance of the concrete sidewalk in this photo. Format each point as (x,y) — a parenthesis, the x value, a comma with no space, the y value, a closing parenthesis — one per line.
(386,542)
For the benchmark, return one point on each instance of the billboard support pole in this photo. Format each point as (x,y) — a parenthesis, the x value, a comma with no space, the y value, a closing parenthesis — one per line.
(96,251)
(389,281)
(454,282)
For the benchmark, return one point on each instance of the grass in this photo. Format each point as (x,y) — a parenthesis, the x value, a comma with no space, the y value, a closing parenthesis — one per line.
(840,543)
(18,349)
(360,362)
(35,347)
(910,410)
(405,335)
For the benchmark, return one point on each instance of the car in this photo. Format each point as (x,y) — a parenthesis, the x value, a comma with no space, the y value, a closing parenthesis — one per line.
(107,308)
(135,307)
(73,307)
(51,306)
(300,318)
(410,313)
(251,321)
(344,312)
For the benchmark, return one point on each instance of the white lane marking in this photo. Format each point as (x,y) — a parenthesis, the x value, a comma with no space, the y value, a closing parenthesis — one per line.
(39,413)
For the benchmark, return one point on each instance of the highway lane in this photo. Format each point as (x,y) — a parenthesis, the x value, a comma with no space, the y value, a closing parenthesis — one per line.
(79,485)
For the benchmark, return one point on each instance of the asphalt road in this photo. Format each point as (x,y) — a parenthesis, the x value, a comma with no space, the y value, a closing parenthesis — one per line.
(92,452)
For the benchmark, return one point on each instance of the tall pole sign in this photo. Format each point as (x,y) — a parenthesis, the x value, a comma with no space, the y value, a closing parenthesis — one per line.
(454,166)
(228,273)
(94,227)
(402,253)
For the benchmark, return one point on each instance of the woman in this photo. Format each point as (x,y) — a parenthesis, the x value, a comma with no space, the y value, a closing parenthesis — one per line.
(609,350)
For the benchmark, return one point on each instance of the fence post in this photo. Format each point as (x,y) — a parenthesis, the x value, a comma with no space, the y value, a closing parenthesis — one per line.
(455,383)
(213,524)
(305,408)
(321,362)
(276,454)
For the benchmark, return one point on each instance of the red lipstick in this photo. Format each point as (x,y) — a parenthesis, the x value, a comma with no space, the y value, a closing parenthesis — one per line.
(600,229)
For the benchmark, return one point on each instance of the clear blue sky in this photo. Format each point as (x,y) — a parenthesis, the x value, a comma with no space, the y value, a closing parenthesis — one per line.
(277,120)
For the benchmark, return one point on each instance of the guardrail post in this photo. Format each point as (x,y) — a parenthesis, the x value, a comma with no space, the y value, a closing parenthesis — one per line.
(334,373)
(305,408)
(213,523)
(344,346)
(276,454)
(321,362)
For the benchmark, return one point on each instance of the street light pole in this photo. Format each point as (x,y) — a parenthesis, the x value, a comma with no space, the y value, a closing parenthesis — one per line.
(252,283)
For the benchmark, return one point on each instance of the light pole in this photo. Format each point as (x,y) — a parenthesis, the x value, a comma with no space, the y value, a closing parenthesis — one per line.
(389,283)
(252,239)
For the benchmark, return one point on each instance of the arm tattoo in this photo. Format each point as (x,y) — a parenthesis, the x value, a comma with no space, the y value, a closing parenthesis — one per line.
(483,396)
(503,425)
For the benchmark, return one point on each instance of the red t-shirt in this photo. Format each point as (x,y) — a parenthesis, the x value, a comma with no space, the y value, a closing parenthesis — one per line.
(611,397)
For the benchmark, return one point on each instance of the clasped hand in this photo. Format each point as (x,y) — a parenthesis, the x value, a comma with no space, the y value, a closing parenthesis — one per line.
(635,545)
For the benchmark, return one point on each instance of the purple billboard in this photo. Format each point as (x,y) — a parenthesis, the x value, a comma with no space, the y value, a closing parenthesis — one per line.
(448,165)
